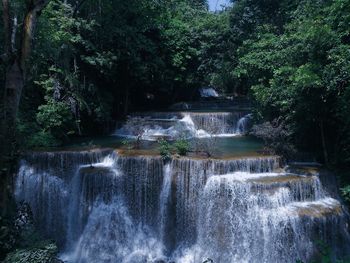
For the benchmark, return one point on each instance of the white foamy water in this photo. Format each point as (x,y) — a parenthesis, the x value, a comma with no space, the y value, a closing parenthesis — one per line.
(111,235)
(243,176)
(208,93)
(164,199)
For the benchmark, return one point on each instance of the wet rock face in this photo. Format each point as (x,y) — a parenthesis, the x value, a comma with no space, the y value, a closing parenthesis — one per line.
(327,177)
(139,209)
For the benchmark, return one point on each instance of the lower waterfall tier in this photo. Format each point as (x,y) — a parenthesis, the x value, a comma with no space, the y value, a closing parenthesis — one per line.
(101,207)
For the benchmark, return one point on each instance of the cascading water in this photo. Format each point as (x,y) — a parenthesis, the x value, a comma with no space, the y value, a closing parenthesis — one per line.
(243,124)
(43,181)
(208,92)
(105,207)
(185,124)
(164,200)
(102,207)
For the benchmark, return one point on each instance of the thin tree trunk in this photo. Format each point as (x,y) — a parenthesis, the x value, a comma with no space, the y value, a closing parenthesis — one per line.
(13,89)
(324,146)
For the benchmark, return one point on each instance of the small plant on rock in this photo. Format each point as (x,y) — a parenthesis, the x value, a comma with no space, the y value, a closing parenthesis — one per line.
(127,144)
(182,146)
(165,149)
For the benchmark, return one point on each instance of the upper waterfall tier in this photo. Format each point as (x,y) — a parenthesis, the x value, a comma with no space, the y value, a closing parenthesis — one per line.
(102,207)
(172,125)
(233,103)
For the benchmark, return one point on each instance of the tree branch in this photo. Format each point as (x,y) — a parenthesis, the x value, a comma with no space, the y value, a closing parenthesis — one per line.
(13,34)
(77,7)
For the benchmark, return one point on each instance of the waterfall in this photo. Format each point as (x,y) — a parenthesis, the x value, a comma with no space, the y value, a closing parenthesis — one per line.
(103,207)
(111,235)
(185,124)
(208,92)
(251,210)
(242,124)
(164,200)
(43,182)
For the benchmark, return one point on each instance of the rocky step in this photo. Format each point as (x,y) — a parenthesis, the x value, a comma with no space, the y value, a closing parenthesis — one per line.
(315,209)
(295,187)
(266,190)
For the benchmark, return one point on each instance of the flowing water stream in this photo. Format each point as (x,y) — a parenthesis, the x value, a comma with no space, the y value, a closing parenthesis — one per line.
(104,207)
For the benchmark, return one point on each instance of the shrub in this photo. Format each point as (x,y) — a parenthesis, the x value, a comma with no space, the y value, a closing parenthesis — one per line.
(127,144)
(277,137)
(182,146)
(345,192)
(165,149)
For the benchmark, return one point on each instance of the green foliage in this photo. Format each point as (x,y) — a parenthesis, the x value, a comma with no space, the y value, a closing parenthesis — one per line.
(345,191)
(165,149)
(54,117)
(42,139)
(128,144)
(296,67)
(89,68)
(182,146)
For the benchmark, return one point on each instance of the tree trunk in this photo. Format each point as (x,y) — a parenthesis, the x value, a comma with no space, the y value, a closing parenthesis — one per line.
(15,62)
(13,89)
(324,146)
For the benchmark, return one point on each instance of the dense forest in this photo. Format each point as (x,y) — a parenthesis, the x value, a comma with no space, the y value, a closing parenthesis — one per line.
(72,68)
(95,61)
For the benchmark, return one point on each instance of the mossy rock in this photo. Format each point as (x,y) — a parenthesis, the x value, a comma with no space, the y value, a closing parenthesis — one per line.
(42,253)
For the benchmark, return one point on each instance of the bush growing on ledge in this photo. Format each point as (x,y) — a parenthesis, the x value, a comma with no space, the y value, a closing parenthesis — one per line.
(345,192)
(182,146)
(128,144)
(165,149)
